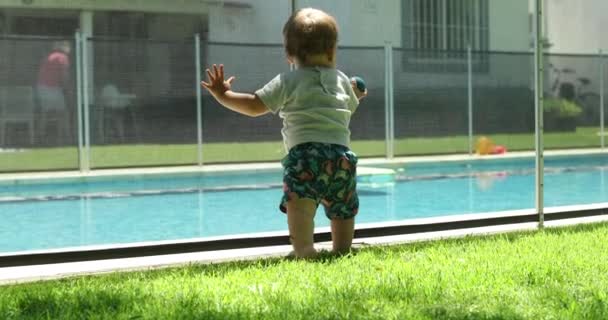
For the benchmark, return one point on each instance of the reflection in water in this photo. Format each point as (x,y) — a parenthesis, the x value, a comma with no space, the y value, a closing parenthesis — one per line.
(485,180)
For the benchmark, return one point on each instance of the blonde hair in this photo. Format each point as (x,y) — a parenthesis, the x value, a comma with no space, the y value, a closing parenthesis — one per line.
(310,32)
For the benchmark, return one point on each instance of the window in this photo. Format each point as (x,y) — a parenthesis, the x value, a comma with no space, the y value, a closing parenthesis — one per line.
(440,31)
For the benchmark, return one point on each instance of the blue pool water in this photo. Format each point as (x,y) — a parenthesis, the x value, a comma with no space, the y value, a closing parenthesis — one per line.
(121,210)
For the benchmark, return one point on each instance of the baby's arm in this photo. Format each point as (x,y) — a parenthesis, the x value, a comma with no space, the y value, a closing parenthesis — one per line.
(244,103)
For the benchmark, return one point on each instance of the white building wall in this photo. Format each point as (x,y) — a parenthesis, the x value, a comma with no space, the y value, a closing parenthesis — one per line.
(576,26)
(509,25)
(168,6)
(259,22)
(510,32)
(362,22)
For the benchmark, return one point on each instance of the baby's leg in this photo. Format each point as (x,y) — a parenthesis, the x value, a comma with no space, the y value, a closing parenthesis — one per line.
(342,233)
(300,219)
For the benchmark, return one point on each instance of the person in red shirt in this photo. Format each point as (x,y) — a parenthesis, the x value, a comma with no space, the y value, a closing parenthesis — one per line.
(54,85)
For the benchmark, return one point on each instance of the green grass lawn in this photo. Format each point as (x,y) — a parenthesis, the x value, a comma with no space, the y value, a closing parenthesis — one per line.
(186,154)
(549,274)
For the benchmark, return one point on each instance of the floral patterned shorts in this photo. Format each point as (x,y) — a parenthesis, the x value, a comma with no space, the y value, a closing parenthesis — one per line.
(325,173)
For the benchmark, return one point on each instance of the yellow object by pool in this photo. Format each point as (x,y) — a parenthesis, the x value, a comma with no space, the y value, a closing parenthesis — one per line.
(484,146)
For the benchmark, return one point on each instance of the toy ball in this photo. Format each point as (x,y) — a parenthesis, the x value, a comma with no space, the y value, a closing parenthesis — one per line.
(359,83)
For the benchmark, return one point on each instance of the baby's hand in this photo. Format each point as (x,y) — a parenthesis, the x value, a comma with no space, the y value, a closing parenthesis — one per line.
(358,87)
(216,85)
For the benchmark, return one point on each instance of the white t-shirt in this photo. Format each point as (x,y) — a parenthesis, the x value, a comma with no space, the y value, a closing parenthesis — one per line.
(315,103)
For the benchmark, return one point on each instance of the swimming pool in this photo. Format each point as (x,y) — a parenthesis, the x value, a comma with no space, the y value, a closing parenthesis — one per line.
(120,210)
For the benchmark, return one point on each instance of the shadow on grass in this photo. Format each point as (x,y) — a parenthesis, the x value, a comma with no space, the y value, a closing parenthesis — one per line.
(35,303)
(208,269)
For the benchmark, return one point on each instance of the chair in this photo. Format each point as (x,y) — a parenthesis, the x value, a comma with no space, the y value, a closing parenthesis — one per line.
(17,106)
(115,109)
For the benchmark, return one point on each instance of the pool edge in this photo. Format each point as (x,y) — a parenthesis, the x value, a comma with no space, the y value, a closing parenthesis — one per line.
(269,239)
